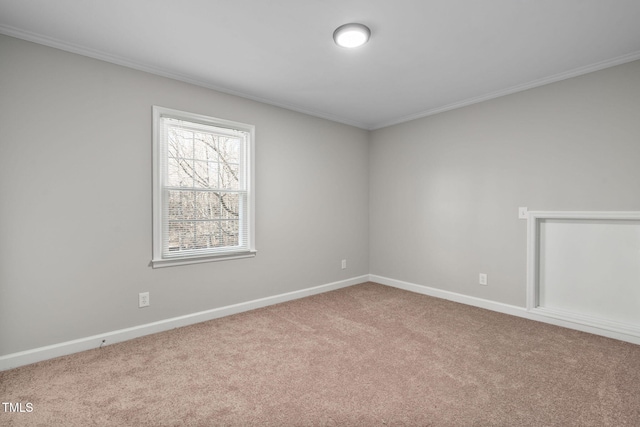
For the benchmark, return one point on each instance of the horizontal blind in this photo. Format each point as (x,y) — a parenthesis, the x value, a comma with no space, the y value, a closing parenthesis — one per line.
(205,203)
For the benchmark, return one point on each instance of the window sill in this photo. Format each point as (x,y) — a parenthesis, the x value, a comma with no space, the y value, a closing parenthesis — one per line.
(170,262)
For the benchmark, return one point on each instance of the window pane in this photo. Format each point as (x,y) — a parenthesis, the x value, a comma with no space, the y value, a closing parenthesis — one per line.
(214,175)
(206,174)
(229,205)
(182,205)
(229,233)
(208,205)
(229,177)
(201,174)
(180,143)
(201,204)
(181,236)
(229,149)
(179,173)
(204,146)
(206,234)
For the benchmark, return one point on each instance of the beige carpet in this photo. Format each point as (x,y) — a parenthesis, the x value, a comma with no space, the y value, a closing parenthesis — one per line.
(368,355)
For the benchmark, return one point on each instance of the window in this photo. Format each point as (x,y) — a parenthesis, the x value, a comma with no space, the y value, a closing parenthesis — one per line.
(203,200)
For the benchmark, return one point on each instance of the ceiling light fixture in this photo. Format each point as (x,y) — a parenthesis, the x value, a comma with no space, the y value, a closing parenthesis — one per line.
(351,35)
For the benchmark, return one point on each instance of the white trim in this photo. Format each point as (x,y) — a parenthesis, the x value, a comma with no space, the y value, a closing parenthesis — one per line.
(533,221)
(622,215)
(122,61)
(588,320)
(633,56)
(135,65)
(579,323)
(451,296)
(159,257)
(22,358)
(532,261)
(170,262)
(604,327)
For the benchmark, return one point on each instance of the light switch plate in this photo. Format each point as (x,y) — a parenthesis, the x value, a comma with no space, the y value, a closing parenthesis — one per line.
(523,213)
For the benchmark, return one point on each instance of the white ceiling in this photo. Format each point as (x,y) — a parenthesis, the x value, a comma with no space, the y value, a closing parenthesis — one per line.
(424,56)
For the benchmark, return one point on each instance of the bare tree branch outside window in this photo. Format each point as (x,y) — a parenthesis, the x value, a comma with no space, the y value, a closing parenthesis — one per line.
(203,183)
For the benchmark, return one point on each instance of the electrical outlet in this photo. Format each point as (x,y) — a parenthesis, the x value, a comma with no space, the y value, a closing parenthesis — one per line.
(482,279)
(143,299)
(344,264)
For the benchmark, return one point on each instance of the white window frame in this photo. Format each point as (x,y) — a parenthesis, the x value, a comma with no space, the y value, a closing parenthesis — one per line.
(161,258)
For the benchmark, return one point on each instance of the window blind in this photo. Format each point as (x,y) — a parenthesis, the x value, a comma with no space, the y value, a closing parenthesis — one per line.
(203,188)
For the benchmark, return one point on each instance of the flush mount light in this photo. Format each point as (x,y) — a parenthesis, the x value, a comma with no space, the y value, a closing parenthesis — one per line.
(351,35)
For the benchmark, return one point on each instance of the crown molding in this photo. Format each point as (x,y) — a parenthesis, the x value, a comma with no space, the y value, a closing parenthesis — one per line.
(633,56)
(125,62)
(128,63)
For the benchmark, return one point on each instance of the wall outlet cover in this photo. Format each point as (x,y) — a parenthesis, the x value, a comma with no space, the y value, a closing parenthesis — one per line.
(143,299)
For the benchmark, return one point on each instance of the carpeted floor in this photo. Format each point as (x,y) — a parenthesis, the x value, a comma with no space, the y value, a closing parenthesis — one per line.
(367,355)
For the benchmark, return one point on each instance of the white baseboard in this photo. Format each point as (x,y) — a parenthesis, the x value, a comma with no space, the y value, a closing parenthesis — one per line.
(451,296)
(22,358)
(605,329)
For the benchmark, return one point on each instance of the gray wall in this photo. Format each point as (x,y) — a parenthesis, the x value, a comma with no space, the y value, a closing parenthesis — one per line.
(75,215)
(444,190)
(432,202)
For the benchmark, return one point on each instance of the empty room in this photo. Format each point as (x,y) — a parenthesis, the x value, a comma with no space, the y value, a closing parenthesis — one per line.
(320,213)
